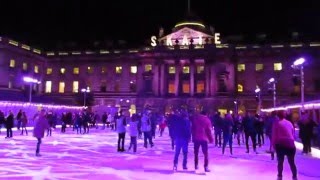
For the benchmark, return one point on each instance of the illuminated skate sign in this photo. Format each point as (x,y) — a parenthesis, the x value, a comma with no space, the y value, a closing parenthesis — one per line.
(184,37)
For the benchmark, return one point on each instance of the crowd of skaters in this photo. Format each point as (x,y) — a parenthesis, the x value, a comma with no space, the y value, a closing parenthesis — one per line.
(201,128)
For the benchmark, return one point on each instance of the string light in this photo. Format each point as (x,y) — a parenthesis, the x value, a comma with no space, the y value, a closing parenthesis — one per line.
(21,104)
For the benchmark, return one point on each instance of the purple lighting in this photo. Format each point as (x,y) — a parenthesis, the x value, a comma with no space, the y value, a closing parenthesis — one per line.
(299,61)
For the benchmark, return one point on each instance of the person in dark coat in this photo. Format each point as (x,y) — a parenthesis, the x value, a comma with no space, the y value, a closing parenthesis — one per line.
(250,131)
(227,132)
(181,128)
(2,119)
(217,124)
(259,124)
(41,124)
(9,124)
(306,125)
(19,119)
(24,122)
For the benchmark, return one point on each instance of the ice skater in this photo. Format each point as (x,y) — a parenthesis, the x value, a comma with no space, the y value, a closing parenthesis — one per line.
(40,126)
(201,136)
(133,132)
(227,132)
(283,141)
(121,129)
(182,135)
(24,122)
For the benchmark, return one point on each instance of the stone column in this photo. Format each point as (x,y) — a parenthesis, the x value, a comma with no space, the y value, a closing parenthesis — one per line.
(140,79)
(162,79)
(207,78)
(177,77)
(192,72)
(213,81)
(155,79)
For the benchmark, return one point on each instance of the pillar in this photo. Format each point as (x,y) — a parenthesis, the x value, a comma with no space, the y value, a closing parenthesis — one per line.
(177,76)
(192,72)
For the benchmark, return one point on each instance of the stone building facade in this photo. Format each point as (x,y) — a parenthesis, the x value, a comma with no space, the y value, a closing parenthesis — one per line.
(188,67)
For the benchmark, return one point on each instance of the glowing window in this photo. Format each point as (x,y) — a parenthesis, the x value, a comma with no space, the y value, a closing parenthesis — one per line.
(172,70)
(24,66)
(36,69)
(200,86)
(186,87)
(63,70)
(62,85)
(49,71)
(90,70)
(171,87)
(75,86)
(277,66)
(148,67)
(48,87)
(119,69)
(241,67)
(240,88)
(200,69)
(76,70)
(186,69)
(259,67)
(103,70)
(12,63)
(133,69)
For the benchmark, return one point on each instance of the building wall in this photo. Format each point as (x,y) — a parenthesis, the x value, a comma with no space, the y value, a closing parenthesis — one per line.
(220,74)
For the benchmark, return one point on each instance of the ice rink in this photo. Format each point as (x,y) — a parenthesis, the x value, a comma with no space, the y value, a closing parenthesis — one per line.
(73,156)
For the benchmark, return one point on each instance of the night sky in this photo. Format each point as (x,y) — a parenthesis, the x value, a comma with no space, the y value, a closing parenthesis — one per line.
(58,24)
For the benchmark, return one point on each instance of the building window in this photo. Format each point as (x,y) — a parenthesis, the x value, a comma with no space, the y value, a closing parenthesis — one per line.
(240,88)
(76,70)
(103,70)
(277,66)
(75,86)
(103,87)
(119,69)
(241,67)
(90,70)
(48,87)
(61,87)
(12,63)
(36,69)
(186,69)
(148,67)
(200,86)
(63,70)
(133,86)
(172,70)
(186,87)
(133,69)
(25,66)
(200,69)
(49,71)
(171,87)
(259,67)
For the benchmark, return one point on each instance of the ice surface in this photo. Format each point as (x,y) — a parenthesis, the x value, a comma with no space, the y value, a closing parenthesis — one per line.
(73,156)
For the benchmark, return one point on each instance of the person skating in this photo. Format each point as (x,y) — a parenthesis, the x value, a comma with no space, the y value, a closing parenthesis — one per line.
(41,124)
(121,129)
(133,132)
(283,141)
(24,122)
(181,128)
(9,124)
(146,129)
(227,132)
(250,131)
(201,136)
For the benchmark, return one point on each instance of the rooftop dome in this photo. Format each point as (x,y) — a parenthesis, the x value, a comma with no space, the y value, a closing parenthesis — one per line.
(191,20)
